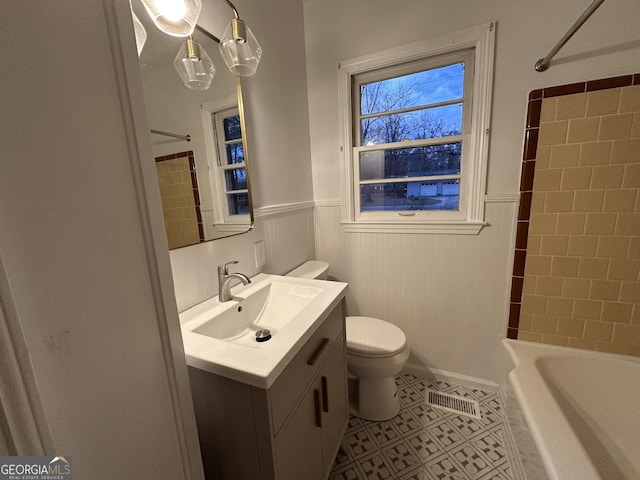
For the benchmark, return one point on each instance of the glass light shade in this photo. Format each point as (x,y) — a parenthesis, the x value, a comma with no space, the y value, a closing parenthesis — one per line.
(174,17)
(194,66)
(239,49)
(141,33)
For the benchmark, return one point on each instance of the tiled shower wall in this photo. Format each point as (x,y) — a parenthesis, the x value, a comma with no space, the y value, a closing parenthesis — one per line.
(577,258)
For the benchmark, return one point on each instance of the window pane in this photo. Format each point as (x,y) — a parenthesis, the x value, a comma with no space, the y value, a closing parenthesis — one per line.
(232,130)
(411,162)
(236,179)
(235,153)
(417,125)
(413,90)
(238,203)
(431,195)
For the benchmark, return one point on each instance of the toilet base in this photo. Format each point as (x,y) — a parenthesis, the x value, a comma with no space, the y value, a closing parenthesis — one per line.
(374,399)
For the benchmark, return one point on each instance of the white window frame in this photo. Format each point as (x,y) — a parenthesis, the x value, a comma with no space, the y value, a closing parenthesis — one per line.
(481,40)
(215,148)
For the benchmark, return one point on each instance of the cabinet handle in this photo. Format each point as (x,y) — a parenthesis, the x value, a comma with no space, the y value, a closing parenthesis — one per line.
(325,395)
(316,395)
(318,352)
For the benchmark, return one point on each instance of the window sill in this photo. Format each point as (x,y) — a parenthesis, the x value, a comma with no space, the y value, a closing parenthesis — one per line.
(440,228)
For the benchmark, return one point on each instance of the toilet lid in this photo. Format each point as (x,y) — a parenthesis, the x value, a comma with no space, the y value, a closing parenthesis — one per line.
(373,337)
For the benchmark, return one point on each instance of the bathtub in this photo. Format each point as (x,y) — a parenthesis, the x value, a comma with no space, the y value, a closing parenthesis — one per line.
(571,414)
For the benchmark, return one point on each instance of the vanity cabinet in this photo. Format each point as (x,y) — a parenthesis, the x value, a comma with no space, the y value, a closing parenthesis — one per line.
(290,431)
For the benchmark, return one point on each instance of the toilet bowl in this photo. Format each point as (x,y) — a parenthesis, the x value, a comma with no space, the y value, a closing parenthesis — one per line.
(376,352)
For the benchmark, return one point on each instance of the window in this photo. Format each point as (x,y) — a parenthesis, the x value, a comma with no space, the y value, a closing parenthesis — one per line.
(415,121)
(231,172)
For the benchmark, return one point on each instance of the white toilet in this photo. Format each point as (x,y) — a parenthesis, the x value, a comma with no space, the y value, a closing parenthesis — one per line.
(376,352)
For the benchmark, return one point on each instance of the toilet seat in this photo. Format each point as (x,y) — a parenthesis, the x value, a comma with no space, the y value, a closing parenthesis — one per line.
(372,337)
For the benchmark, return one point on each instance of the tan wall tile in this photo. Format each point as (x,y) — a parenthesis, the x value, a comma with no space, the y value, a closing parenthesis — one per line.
(525,322)
(564,156)
(541,223)
(565,266)
(604,290)
(583,130)
(623,269)
(631,176)
(632,349)
(547,180)
(544,324)
(630,292)
(554,244)
(529,284)
(588,310)
(595,153)
(634,247)
(628,224)
(559,202)
(593,268)
(620,200)
(572,106)
(530,337)
(543,156)
(635,127)
(571,223)
(571,327)
(576,287)
(626,334)
(548,109)
(534,304)
(555,340)
(635,316)
(576,178)
(600,224)
(549,286)
(616,312)
(603,102)
(538,200)
(533,244)
(581,343)
(609,176)
(588,201)
(615,126)
(598,331)
(554,133)
(559,307)
(625,151)
(630,99)
(582,246)
(537,265)
(612,247)
(610,348)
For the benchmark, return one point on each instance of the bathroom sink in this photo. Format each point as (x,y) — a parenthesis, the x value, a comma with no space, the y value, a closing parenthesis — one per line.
(270,306)
(220,337)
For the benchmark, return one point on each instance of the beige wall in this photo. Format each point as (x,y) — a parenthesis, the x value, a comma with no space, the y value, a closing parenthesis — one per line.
(581,284)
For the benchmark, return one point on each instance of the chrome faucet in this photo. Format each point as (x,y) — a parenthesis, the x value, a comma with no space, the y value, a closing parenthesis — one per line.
(224,281)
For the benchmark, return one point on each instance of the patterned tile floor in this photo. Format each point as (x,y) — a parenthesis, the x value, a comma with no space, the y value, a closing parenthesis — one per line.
(426,443)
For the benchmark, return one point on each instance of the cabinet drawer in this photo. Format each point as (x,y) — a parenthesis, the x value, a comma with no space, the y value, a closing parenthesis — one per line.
(288,387)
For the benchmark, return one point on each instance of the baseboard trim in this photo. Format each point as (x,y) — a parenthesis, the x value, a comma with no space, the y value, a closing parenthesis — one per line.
(451,377)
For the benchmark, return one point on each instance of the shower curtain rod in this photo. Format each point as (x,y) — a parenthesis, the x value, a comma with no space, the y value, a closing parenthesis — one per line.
(174,135)
(542,64)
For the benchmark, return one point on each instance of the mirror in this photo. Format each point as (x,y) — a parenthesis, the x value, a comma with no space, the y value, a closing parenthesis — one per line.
(214,161)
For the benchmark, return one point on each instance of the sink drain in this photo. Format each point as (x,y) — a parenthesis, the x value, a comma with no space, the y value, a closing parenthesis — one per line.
(263,335)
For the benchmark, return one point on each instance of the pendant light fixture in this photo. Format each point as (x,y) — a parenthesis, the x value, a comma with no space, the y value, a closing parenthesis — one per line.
(238,46)
(194,65)
(174,17)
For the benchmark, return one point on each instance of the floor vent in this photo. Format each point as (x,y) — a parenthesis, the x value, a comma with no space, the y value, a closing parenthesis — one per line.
(453,403)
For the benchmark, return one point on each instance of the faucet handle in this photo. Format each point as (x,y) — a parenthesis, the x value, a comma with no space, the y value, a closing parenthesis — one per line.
(224,269)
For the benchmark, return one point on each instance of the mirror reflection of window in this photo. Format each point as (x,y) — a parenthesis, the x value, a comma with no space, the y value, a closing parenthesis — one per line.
(232,175)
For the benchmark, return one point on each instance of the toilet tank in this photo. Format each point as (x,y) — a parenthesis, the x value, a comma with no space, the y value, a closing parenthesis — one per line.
(311,269)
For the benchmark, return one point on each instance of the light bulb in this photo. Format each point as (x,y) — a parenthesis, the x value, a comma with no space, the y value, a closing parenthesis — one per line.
(174,17)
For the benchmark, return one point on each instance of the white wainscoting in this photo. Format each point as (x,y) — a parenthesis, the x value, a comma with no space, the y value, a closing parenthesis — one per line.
(449,293)
(287,231)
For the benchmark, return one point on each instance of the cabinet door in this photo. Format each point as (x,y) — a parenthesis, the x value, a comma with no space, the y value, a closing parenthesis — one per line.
(299,442)
(333,392)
